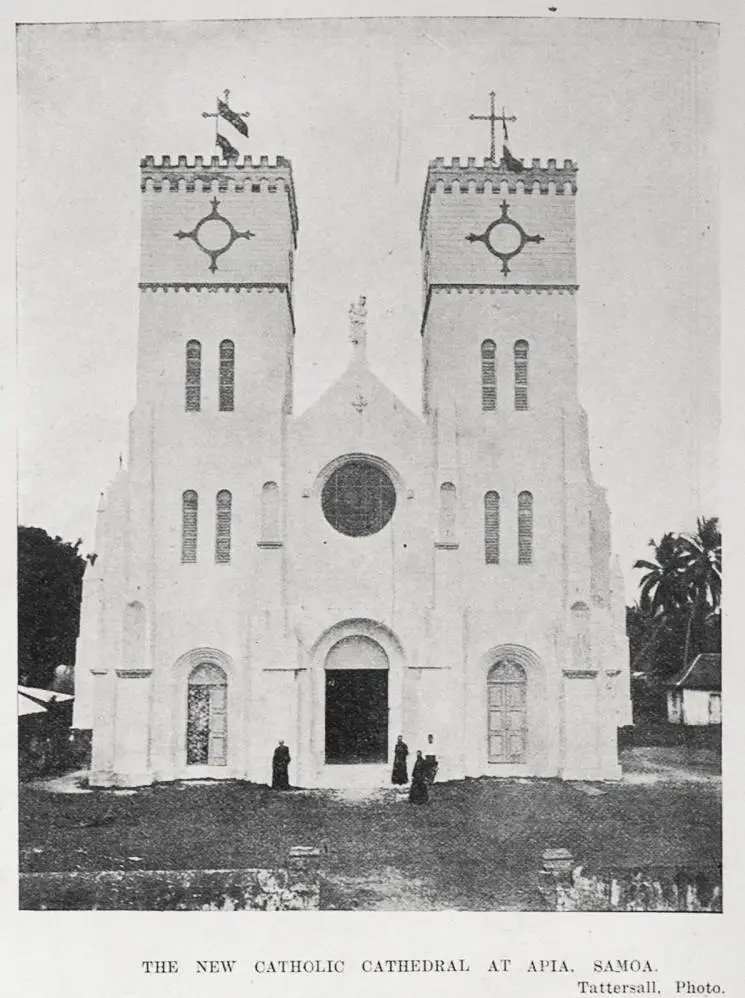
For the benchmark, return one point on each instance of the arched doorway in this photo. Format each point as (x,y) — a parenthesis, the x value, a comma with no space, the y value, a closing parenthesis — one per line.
(506,707)
(206,716)
(356,713)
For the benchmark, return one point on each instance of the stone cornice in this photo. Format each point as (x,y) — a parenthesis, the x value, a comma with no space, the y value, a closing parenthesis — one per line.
(580,673)
(133,673)
(232,174)
(504,289)
(212,287)
(488,178)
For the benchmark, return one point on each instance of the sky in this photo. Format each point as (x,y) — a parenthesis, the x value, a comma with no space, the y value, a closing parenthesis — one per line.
(360,107)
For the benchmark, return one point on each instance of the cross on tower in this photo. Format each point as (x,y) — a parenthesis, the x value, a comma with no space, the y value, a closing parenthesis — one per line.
(493,118)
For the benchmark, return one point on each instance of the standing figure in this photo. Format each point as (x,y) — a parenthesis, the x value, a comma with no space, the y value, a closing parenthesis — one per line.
(431,760)
(280,766)
(400,752)
(419,792)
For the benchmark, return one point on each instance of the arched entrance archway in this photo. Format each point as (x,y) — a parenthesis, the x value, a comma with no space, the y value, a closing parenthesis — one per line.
(356,702)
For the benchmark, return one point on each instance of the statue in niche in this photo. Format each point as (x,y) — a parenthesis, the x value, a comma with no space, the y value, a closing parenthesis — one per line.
(357,319)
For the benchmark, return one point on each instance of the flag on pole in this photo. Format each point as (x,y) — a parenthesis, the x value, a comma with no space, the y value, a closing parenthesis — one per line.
(510,162)
(229,115)
(228,151)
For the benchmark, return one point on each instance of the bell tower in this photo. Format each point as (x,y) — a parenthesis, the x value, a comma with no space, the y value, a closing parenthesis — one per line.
(218,241)
(527,557)
(194,558)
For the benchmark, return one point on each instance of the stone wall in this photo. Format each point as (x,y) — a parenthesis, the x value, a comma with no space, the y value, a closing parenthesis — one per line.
(568,886)
(294,887)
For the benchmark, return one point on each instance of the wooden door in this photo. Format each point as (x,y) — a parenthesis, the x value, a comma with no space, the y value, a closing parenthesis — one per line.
(206,717)
(506,716)
(218,742)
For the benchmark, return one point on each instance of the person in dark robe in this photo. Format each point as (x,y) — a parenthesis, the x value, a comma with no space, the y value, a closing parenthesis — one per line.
(400,752)
(419,791)
(280,766)
(430,760)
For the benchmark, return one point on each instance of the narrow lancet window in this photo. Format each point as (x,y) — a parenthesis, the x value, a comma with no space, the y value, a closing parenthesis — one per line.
(521,374)
(193,376)
(222,527)
(447,512)
(525,528)
(227,376)
(189,513)
(491,528)
(488,376)
(270,513)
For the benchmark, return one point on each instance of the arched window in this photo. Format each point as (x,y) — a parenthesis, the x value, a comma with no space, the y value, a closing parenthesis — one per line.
(270,512)
(193,376)
(222,527)
(506,709)
(189,516)
(206,716)
(488,375)
(521,374)
(447,511)
(491,528)
(227,375)
(525,528)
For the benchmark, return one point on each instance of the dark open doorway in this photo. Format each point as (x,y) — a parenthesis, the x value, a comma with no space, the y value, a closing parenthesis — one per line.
(356,716)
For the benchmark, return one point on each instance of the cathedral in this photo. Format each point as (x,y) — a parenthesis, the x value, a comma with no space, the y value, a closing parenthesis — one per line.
(360,571)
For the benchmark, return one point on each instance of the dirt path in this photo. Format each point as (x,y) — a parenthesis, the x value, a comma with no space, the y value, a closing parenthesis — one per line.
(671,765)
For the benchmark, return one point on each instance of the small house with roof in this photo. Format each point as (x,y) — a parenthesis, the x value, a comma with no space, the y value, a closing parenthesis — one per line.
(694,696)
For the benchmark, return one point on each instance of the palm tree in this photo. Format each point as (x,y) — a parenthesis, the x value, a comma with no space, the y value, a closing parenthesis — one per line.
(684,579)
(663,589)
(701,555)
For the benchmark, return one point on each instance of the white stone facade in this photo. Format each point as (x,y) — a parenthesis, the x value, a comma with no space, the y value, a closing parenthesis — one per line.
(194,664)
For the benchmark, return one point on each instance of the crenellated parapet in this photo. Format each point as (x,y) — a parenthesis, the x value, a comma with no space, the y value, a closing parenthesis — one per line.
(210,174)
(468,176)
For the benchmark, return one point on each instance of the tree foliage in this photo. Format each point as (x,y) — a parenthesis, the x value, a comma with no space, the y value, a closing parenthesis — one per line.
(678,612)
(50,578)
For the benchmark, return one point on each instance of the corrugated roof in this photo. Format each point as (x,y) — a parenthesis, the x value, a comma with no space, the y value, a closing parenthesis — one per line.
(704,673)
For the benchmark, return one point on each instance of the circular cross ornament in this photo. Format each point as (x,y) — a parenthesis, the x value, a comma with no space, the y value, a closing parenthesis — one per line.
(504,237)
(214,234)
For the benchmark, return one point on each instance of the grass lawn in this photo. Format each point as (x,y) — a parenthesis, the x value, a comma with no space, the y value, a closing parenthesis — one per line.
(477,845)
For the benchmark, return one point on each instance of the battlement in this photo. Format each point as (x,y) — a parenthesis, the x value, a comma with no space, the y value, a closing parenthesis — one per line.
(214,162)
(470,164)
(207,174)
(490,177)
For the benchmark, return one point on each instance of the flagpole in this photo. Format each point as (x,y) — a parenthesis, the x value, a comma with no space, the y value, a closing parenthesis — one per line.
(493,121)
